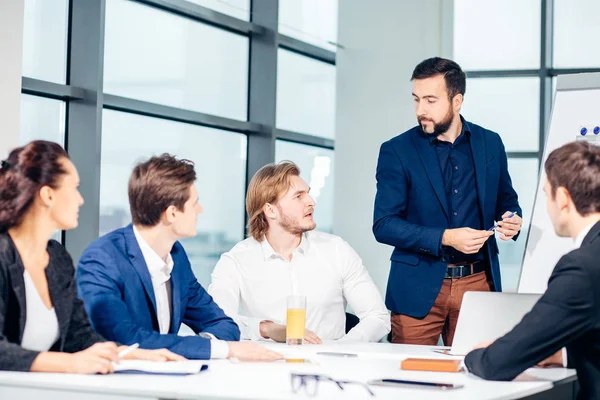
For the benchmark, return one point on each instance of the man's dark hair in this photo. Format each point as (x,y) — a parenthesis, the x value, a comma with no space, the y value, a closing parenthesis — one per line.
(456,81)
(156,184)
(576,167)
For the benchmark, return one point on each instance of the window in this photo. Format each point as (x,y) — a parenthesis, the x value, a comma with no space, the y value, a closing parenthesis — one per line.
(220,159)
(45,40)
(183,64)
(508,106)
(576,32)
(305,95)
(236,8)
(312,21)
(496,35)
(525,174)
(42,118)
(316,168)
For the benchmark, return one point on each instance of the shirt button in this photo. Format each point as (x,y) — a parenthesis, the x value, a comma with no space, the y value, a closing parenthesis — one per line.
(455,213)
(456,168)
(455,190)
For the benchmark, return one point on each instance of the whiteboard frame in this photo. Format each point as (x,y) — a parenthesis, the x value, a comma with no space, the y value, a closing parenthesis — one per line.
(564,83)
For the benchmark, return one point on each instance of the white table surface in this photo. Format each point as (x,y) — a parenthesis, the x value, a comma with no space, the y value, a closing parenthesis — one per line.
(226,380)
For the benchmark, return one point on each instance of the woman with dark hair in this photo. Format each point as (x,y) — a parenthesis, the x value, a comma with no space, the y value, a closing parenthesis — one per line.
(43,325)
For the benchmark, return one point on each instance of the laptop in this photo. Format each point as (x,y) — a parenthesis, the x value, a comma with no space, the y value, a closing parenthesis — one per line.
(487,316)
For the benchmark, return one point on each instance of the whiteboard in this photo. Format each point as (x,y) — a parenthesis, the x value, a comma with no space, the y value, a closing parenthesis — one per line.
(576,107)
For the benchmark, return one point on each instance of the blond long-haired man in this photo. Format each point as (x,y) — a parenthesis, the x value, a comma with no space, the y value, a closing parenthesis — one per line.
(285,256)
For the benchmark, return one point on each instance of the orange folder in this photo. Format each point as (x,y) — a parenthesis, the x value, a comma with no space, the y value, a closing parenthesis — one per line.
(430,364)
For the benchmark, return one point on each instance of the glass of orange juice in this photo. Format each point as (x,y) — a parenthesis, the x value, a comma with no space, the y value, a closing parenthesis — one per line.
(296,319)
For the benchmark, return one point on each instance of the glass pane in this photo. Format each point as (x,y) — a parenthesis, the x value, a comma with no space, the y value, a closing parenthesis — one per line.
(236,8)
(576,33)
(312,21)
(305,95)
(42,118)
(183,64)
(525,175)
(316,168)
(509,40)
(45,40)
(508,106)
(220,159)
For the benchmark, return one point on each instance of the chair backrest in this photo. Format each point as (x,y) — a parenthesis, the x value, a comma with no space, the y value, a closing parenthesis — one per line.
(351,321)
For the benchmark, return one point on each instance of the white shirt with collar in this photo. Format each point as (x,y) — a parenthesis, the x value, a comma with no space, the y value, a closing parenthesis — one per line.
(160,273)
(251,284)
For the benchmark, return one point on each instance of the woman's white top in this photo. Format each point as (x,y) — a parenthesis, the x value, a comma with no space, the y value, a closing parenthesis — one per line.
(41,327)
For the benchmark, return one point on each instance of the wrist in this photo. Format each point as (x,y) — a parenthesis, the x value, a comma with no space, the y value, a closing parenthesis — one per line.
(447,237)
(264,329)
(67,364)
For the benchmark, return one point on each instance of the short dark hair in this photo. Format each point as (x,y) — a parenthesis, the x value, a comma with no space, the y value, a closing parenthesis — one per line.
(26,170)
(456,80)
(156,184)
(576,167)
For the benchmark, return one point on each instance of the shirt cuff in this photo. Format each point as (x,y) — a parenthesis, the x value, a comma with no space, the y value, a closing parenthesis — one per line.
(565,361)
(254,328)
(219,349)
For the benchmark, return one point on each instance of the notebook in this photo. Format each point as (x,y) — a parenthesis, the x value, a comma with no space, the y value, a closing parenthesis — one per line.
(430,364)
(159,367)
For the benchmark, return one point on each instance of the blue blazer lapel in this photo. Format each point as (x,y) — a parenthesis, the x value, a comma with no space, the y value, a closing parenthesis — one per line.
(137,260)
(432,166)
(478,150)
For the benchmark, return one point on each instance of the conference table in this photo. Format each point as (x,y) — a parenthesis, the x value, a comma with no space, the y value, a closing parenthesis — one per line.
(225,379)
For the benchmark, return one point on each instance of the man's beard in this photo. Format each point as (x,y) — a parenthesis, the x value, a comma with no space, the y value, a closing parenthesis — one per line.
(291,226)
(441,127)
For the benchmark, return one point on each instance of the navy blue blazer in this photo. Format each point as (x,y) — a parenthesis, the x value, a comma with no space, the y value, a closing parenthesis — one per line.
(115,285)
(411,212)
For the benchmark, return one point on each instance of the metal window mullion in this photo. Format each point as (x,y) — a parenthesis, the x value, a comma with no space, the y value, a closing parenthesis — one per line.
(37,87)
(84,117)
(546,48)
(187,9)
(262,85)
(134,106)
(305,139)
(306,49)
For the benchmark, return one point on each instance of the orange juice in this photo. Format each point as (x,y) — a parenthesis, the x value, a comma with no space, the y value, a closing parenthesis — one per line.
(296,320)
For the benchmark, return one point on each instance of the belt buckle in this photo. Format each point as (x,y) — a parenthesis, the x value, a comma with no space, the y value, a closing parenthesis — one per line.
(458,271)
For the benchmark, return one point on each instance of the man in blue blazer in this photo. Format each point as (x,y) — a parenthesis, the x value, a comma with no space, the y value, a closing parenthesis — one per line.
(440,188)
(137,283)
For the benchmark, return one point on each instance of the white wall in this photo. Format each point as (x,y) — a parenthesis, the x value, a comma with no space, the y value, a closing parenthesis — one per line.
(11,53)
(383,41)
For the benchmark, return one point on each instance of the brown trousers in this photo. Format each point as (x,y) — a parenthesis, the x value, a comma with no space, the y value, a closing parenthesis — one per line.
(443,316)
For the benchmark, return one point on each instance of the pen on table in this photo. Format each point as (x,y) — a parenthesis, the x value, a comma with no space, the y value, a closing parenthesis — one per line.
(496,225)
(128,350)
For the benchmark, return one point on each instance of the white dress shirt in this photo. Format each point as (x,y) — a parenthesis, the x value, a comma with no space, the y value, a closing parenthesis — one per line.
(160,273)
(251,284)
(41,327)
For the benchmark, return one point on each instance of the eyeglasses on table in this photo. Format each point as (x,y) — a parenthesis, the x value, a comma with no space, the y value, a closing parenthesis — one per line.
(310,383)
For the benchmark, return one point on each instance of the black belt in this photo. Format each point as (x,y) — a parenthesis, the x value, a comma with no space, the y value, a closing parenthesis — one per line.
(460,271)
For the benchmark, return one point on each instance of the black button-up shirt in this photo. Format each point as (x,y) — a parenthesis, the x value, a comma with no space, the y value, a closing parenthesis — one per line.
(458,173)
